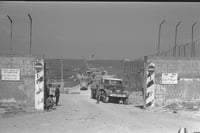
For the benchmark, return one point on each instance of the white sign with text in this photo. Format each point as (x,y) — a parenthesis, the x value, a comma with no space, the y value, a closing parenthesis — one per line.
(10,74)
(169,78)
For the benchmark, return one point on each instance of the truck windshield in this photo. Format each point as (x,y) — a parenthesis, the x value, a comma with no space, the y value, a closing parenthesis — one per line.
(113,83)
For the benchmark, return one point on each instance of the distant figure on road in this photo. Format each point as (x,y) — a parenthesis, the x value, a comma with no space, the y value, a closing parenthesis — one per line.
(98,94)
(57,94)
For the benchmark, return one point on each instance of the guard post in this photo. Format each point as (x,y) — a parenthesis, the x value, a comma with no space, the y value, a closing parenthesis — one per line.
(144,81)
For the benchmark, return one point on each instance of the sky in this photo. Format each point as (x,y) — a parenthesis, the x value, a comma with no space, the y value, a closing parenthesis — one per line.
(109,30)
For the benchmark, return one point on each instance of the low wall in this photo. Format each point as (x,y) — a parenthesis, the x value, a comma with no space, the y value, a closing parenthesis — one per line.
(188,82)
(19,91)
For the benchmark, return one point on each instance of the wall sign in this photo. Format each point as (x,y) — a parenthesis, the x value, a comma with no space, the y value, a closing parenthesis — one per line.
(151,68)
(10,74)
(169,78)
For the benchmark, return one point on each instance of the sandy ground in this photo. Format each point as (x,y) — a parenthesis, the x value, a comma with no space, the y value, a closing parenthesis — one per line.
(78,113)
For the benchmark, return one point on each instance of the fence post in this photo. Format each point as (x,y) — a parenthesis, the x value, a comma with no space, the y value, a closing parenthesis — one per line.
(144,82)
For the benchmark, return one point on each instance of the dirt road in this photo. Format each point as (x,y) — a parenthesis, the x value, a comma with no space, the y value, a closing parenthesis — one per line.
(80,114)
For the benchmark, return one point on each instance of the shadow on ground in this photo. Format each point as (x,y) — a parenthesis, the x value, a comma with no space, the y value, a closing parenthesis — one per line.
(13,109)
(139,106)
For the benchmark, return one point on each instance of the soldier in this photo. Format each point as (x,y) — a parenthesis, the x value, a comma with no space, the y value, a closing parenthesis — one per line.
(46,92)
(98,93)
(49,102)
(57,94)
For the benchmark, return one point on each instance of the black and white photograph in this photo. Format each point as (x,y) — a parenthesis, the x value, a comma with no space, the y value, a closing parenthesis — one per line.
(99,67)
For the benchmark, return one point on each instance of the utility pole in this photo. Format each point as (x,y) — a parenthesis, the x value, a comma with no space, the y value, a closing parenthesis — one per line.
(30,18)
(175,45)
(158,52)
(192,43)
(11,22)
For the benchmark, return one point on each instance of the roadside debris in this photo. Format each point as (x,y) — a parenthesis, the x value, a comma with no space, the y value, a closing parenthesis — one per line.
(187,106)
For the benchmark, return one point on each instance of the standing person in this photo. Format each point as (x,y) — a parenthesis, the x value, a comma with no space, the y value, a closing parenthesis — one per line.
(98,93)
(57,94)
(46,92)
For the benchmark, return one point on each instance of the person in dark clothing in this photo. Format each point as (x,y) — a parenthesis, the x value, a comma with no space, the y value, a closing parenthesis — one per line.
(98,92)
(46,93)
(47,90)
(57,94)
(49,102)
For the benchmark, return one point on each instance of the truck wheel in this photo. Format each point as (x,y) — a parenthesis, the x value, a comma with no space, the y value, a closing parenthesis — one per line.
(121,101)
(106,99)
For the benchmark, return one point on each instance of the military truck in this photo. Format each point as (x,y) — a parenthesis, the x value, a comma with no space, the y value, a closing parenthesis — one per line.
(111,89)
(83,81)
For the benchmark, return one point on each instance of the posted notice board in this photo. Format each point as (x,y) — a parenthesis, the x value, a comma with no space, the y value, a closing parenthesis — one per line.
(10,74)
(169,78)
